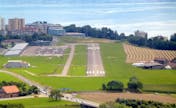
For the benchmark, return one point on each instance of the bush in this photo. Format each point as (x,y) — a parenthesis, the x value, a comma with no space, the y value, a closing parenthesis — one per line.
(11,106)
(144,104)
(134,85)
(113,86)
(113,105)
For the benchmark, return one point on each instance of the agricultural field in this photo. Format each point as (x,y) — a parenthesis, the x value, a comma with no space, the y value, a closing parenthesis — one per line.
(79,62)
(135,54)
(42,103)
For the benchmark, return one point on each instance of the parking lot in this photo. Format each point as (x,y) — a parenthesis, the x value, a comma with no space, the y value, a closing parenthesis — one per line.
(44,51)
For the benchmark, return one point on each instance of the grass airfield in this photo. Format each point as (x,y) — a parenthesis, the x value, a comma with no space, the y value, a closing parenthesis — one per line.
(113,57)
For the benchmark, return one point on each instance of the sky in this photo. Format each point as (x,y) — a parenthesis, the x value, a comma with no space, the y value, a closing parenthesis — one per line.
(157,17)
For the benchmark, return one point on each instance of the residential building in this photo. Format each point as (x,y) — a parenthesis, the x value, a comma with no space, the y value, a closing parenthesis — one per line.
(2,24)
(141,34)
(40,26)
(16,24)
(9,91)
(56,30)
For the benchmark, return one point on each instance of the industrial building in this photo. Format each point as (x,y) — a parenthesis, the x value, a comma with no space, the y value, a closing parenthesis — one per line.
(16,50)
(16,64)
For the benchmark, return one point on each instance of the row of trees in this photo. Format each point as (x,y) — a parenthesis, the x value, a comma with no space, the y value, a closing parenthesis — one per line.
(144,104)
(156,43)
(94,32)
(28,38)
(134,85)
(11,106)
(129,103)
(24,89)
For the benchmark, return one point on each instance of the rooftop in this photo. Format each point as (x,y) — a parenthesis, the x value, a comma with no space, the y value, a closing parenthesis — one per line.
(10,89)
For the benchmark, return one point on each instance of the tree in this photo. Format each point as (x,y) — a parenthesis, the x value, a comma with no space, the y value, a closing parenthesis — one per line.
(55,95)
(115,86)
(113,105)
(134,85)
(173,37)
(103,86)
(33,89)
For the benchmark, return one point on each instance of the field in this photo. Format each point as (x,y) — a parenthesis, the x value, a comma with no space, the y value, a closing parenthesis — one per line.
(116,68)
(68,39)
(39,65)
(106,97)
(78,65)
(135,54)
(42,103)
(6,77)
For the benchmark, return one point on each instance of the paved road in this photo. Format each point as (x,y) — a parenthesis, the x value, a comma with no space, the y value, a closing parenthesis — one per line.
(69,60)
(94,61)
(72,98)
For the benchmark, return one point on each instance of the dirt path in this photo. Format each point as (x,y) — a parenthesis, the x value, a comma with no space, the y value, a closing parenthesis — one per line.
(105,97)
(69,60)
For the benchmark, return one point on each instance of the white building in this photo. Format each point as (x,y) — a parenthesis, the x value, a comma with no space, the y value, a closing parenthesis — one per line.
(56,30)
(140,34)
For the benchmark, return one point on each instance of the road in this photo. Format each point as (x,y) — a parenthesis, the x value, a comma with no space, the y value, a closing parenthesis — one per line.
(69,60)
(94,61)
(42,89)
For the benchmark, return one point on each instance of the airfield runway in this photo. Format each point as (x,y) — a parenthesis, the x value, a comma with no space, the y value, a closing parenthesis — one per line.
(94,61)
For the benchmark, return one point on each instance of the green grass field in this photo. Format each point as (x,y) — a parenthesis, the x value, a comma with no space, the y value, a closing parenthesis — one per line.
(6,77)
(42,103)
(78,65)
(39,65)
(113,57)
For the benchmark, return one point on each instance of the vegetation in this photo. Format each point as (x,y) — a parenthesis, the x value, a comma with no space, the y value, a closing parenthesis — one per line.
(78,65)
(144,104)
(113,57)
(156,43)
(113,105)
(55,95)
(42,103)
(113,86)
(39,64)
(94,32)
(134,85)
(11,106)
